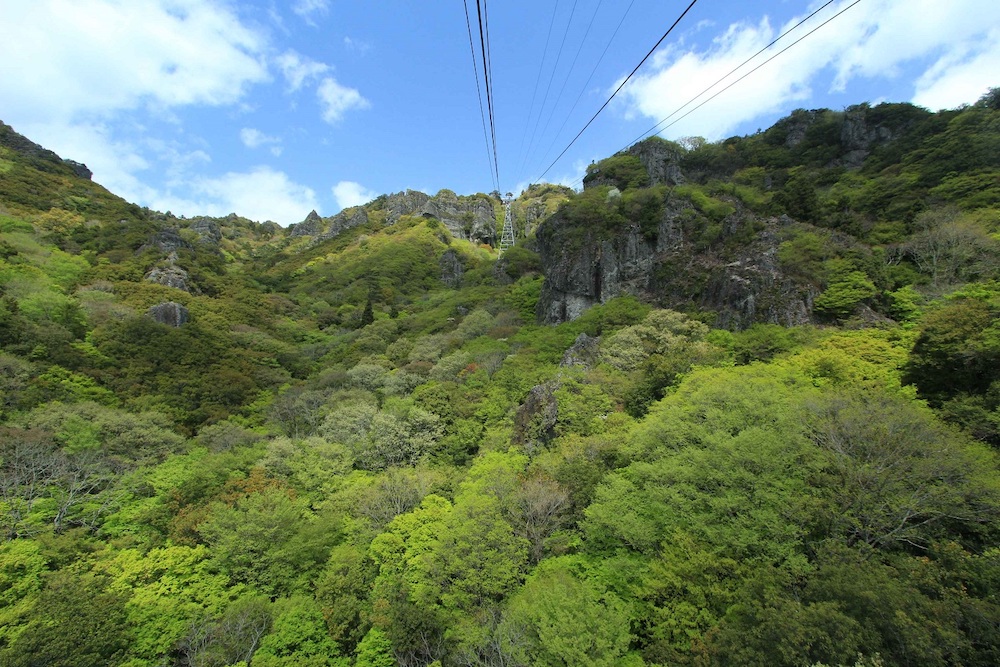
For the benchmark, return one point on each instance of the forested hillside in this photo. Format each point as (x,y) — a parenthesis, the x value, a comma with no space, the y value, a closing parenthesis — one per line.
(734,403)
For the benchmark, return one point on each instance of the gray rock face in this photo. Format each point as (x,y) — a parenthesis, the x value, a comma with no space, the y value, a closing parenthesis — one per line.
(346,219)
(535,420)
(583,352)
(403,203)
(170,313)
(80,169)
(798,124)
(311,226)
(578,276)
(534,213)
(859,136)
(208,229)
(470,218)
(743,285)
(166,241)
(171,276)
(661,159)
(451,269)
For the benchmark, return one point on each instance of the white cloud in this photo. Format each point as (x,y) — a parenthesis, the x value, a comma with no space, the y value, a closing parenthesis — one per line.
(356,45)
(65,58)
(875,39)
(349,193)
(299,69)
(959,76)
(336,99)
(259,194)
(254,138)
(307,8)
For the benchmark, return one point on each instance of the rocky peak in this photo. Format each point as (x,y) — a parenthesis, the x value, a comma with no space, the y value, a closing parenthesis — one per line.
(472,218)
(11,139)
(661,159)
(403,203)
(311,226)
(349,218)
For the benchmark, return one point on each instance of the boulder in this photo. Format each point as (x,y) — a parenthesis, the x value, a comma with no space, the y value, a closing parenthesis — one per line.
(170,313)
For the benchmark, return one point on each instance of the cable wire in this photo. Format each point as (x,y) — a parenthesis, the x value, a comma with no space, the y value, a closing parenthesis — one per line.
(483,42)
(748,73)
(548,87)
(622,85)
(538,79)
(479,95)
(655,128)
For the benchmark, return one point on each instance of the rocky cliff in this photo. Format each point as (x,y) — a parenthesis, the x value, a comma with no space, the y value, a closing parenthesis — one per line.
(472,217)
(11,139)
(742,280)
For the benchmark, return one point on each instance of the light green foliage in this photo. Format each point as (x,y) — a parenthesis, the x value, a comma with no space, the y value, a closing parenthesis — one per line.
(843,295)
(314,466)
(897,475)
(623,170)
(856,360)
(399,435)
(375,650)
(167,590)
(60,384)
(727,462)
(22,569)
(317,469)
(253,540)
(712,207)
(559,620)
(125,436)
(298,638)
(951,247)
(343,589)
(368,376)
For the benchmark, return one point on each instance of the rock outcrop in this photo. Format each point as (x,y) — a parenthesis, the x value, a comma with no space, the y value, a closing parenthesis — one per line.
(451,269)
(171,276)
(166,241)
(346,219)
(583,352)
(403,203)
(661,159)
(311,226)
(470,218)
(23,145)
(743,283)
(535,420)
(208,230)
(170,313)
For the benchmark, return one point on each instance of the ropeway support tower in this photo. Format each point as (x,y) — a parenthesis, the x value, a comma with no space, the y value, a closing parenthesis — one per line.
(507,237)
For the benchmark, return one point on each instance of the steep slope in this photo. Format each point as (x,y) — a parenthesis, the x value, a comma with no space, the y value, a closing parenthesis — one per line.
(822,217)
(351,443)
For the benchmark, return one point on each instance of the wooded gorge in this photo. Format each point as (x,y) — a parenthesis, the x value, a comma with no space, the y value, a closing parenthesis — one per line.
(734,403)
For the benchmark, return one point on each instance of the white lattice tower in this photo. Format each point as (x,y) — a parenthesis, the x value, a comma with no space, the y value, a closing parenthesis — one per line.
(507,237)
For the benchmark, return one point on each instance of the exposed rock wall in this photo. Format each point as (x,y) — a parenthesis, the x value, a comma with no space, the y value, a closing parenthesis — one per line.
(743,284)
(170,313)
(471,218)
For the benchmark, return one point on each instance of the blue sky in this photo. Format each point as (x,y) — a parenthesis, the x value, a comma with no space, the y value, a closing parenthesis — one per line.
(271,109)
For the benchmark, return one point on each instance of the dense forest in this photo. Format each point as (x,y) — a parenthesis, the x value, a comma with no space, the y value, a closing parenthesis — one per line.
(229,443)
